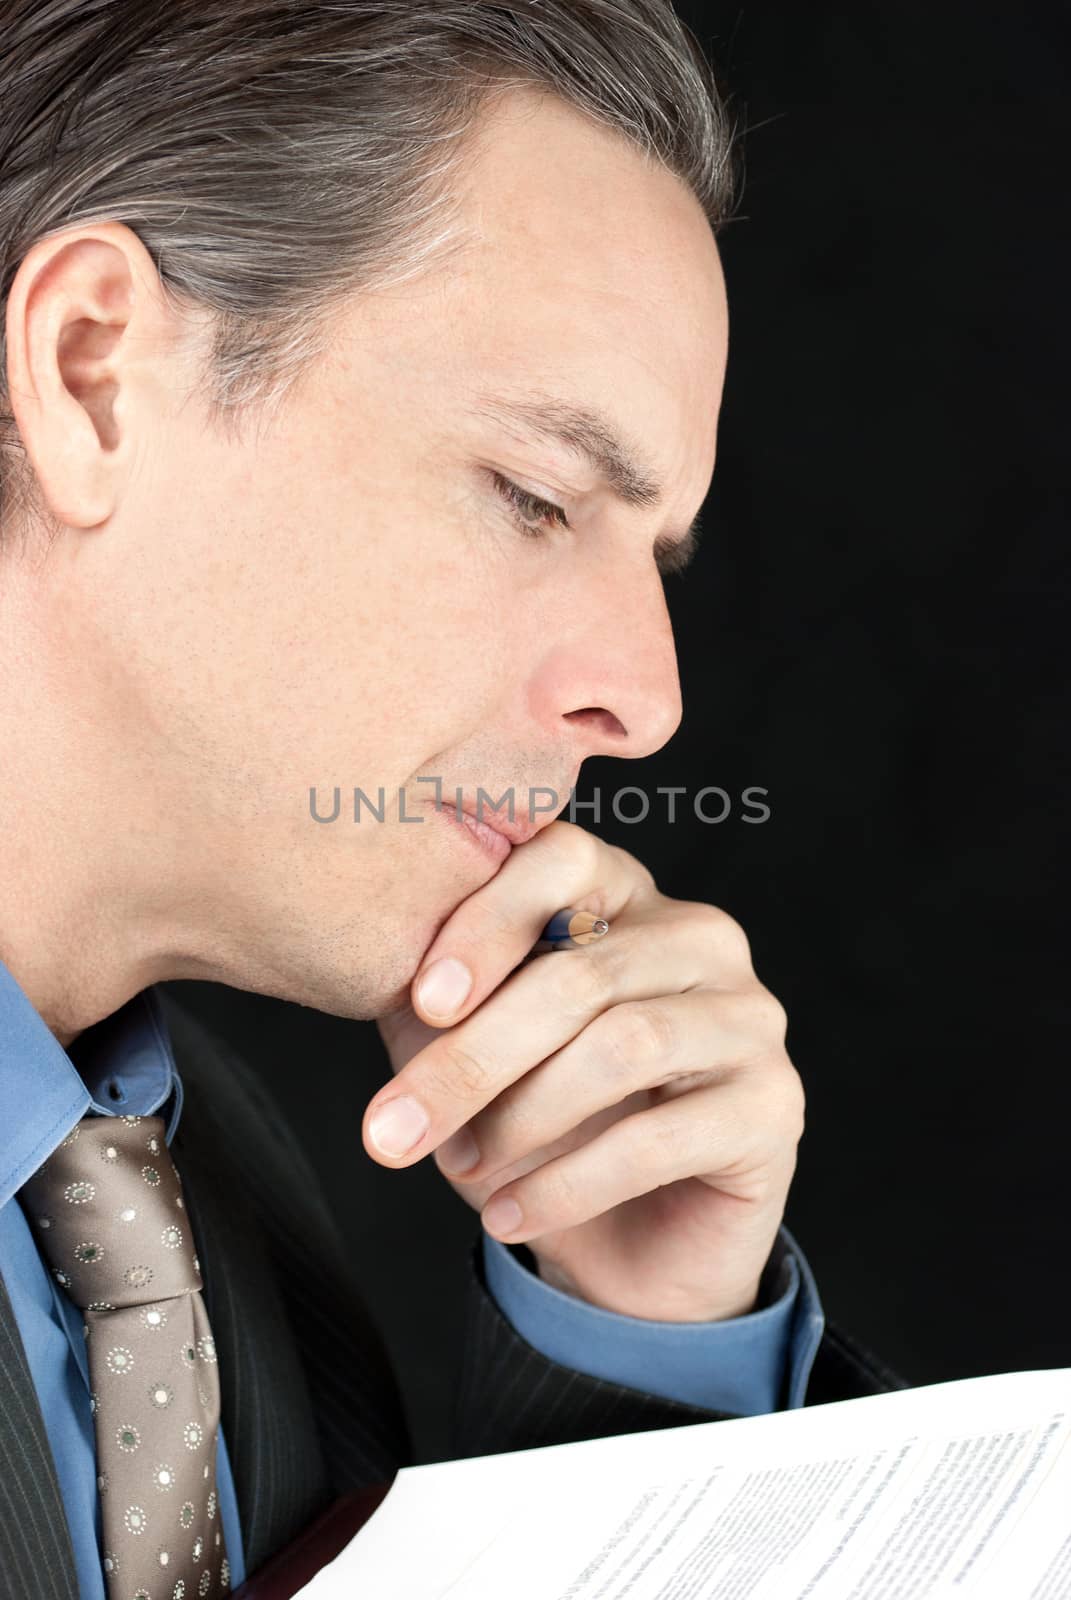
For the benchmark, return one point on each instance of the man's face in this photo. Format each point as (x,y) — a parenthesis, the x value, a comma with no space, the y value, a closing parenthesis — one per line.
(340,595)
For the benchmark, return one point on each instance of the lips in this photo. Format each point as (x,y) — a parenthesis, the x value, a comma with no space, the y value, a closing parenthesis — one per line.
(490,838)
(496,830)
(518,829)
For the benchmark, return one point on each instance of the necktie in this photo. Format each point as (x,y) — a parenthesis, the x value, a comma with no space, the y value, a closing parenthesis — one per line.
(108,1214)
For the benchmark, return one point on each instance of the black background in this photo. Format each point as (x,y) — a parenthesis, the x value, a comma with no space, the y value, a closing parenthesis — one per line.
(872,632)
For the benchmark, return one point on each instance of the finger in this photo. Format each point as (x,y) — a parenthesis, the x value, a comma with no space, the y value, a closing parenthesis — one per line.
(644,1043)
(491,931)
(707,1133)
(539,1008)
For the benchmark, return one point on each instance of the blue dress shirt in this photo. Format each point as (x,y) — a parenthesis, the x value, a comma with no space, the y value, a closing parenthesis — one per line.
(125,1064)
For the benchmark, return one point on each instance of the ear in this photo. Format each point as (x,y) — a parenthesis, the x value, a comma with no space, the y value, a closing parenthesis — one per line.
(85,318)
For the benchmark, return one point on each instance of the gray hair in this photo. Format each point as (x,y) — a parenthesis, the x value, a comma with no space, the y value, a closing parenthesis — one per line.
(276,156)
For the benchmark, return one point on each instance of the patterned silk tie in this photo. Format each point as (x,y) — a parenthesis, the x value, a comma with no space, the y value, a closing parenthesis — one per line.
(108,1214)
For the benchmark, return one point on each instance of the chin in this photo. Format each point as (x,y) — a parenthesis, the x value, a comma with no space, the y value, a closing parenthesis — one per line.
(360,965)
(360,981)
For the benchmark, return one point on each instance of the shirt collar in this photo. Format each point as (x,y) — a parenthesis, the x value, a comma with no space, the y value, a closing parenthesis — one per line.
(123,1065)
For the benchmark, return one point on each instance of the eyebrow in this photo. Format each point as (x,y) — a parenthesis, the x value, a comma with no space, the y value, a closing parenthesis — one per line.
(591,435)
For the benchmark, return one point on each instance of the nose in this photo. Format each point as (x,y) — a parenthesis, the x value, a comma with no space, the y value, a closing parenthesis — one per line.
(611,673)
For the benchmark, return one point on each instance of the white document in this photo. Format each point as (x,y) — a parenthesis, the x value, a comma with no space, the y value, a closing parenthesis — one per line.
(956,1489)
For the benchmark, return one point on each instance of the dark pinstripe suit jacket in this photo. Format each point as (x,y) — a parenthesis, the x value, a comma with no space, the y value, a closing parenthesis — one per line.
(310,1404)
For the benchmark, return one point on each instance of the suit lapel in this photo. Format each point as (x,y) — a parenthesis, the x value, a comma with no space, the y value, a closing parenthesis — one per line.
(267,1416)
(36,1558)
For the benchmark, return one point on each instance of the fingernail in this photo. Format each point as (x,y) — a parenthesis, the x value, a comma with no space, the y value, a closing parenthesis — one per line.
(396,1126)
(503,1215)
(444,987)
(459,1152)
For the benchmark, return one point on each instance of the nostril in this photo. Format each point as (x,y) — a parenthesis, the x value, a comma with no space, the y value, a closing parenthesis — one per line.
(114,1091)
(598,717)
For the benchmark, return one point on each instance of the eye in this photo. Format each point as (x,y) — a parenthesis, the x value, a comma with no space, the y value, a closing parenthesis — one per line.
(529,511)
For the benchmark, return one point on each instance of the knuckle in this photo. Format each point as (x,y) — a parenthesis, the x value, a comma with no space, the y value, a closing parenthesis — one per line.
(777,1017)
(512,1124)
(584,985)
(658,1148)
(639,1032)
(557,1193)
(754,1018)
(769,1019)
(724,933)
(633,866)
(574,847)
(489,924)
(799,1107)
(457,1074)
(790,1100)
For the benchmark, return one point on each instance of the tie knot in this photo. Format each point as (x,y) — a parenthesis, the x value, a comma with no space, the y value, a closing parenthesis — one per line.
(108,1213)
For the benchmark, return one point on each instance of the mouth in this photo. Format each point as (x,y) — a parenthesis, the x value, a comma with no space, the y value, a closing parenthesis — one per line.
(496,835)
(488,839)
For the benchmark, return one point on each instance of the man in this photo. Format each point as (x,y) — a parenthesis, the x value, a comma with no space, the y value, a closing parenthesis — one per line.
(362,370)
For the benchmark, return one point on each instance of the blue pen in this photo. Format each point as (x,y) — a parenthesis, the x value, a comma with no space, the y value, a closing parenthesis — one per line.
(569,930)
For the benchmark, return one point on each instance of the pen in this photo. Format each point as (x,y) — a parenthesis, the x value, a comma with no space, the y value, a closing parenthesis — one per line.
(568,930)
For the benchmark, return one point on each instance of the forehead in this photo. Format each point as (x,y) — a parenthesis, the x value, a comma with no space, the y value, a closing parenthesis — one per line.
(576,269)
(589,269)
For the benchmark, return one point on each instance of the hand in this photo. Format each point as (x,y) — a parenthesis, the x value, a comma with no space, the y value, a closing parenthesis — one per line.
(630,1102)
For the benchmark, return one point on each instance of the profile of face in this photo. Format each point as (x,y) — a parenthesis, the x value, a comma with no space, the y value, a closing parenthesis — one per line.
(346,590)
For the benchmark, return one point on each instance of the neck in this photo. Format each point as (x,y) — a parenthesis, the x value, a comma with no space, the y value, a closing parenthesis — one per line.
(87,862)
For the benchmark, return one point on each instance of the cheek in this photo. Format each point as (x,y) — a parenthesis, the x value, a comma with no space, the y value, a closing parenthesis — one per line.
(383,634)
(373,605)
